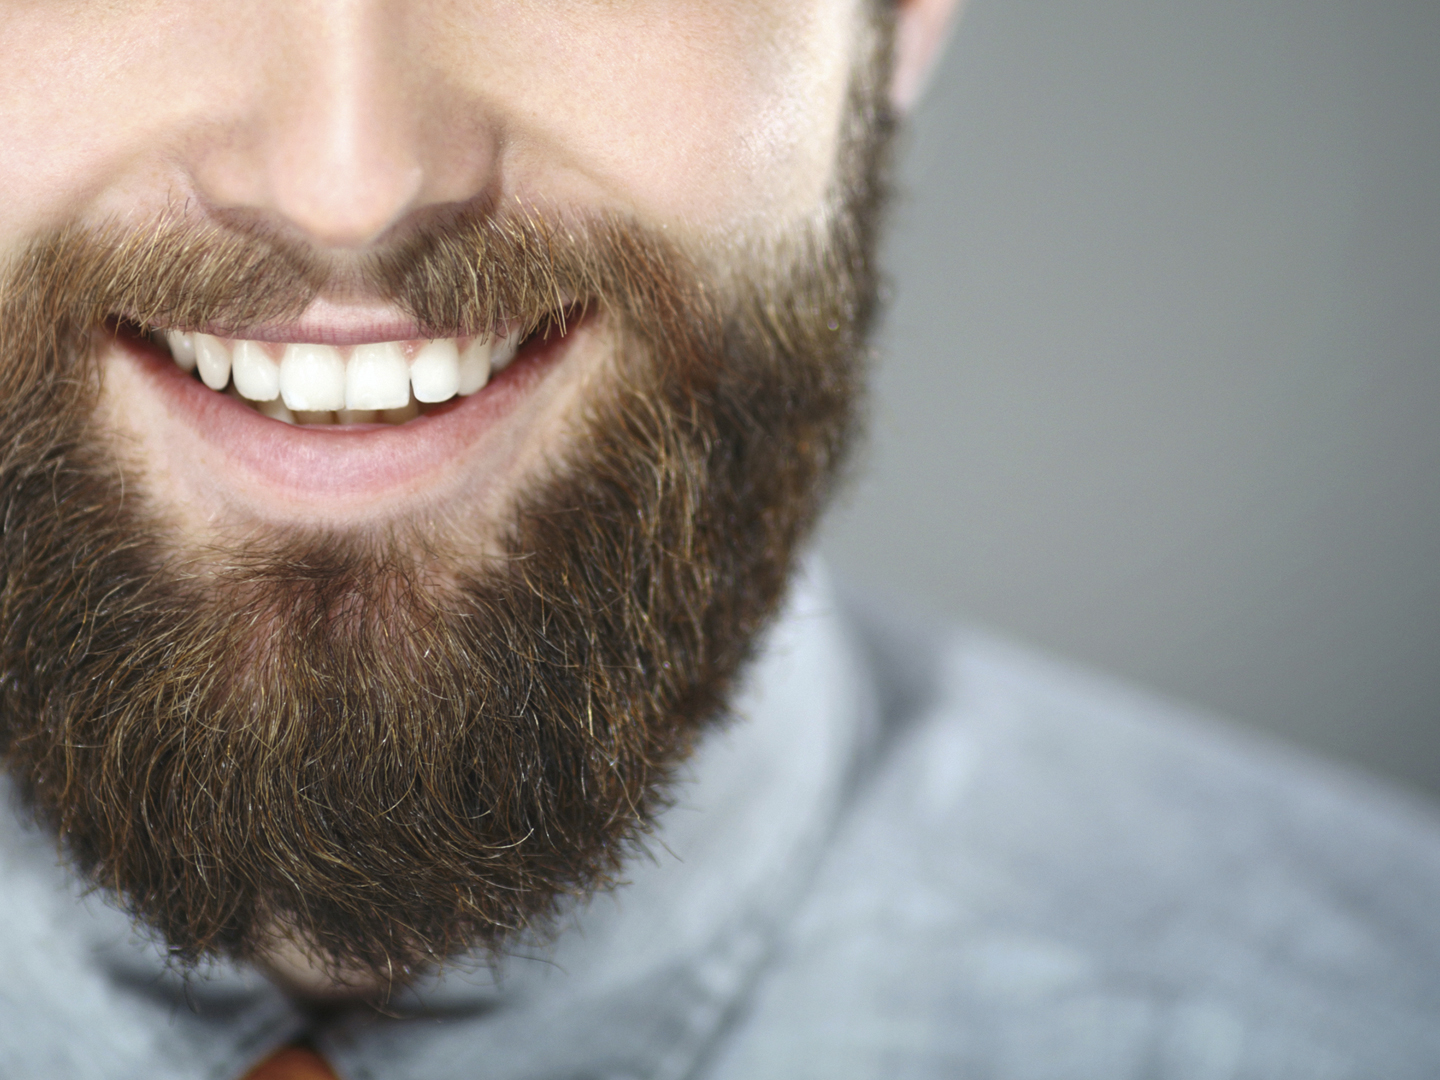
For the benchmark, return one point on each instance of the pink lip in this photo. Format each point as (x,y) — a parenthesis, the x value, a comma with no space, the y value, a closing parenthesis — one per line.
(322,464)
(327,323)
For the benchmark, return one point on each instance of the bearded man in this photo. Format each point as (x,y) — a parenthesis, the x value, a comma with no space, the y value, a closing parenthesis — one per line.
(413,414)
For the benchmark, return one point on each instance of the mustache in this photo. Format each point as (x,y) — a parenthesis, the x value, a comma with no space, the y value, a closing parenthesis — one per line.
(469,271)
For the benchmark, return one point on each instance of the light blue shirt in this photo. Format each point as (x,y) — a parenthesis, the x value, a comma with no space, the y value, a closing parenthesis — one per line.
(917,853)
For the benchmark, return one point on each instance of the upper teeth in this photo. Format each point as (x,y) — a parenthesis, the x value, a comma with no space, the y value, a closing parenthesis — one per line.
(379,378)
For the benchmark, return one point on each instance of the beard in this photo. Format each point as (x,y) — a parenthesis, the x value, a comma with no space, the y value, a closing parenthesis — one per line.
(382,747)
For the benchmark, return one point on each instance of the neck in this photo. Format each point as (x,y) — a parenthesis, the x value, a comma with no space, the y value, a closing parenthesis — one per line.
(302,977)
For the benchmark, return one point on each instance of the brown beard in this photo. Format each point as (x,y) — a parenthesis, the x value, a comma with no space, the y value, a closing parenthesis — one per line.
(311,735)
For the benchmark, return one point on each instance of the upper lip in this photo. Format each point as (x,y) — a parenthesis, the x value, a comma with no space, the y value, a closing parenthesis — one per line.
(327,323)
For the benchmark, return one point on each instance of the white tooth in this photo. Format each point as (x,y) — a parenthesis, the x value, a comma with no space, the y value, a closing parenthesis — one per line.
(504,351)
(182,349)
(256,376)
(276,410)
(312,377)
(356,416)
(314,416)
(435,371)
(474,366)
(213,359)
(377,377)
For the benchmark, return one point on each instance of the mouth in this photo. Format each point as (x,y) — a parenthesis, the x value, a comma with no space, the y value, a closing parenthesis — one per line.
(313,383)
(304,425)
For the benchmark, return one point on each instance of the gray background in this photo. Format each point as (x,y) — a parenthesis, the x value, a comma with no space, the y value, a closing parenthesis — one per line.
(1161,380)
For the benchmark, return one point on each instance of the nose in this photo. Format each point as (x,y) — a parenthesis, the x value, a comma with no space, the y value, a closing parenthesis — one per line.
(344,126)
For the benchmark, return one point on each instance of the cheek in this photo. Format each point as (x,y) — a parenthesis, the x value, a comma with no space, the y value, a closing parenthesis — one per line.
(711,114)
(86,97)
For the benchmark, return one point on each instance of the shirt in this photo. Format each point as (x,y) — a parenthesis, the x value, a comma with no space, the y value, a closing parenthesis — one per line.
(915,852)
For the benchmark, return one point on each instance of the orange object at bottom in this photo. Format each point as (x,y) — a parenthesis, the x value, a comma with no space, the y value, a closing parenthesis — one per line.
(292,1063)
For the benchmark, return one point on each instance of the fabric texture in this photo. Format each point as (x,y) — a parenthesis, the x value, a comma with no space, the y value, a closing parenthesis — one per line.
(918,852)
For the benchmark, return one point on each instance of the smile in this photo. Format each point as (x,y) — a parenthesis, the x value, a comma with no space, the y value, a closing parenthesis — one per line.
(389,382)
(365,423)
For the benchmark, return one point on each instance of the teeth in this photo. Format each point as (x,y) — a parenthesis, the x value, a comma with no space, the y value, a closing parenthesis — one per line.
(435,371)
(312,378)
(182,348)
(504,351)
(404,413)
(377,377)
(256,376)
(213,360)
(474,366)
(276,410)
(385,382)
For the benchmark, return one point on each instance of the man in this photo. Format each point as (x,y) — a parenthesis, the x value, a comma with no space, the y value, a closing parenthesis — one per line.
(413,414)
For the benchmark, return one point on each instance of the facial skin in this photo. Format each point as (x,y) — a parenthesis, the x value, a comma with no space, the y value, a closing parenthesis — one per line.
(340,132)
(338,122)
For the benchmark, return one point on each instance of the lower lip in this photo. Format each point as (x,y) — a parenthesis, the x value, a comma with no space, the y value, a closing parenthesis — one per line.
(339,461)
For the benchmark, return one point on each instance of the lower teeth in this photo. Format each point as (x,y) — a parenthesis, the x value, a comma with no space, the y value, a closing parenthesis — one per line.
(276,410)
